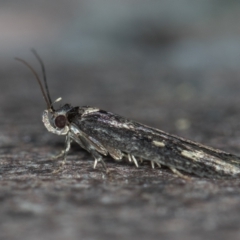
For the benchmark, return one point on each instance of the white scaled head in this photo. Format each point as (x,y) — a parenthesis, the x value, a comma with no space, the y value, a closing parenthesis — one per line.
(60,123)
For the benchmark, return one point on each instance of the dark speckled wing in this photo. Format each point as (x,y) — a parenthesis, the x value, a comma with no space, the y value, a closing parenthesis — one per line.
(116,132)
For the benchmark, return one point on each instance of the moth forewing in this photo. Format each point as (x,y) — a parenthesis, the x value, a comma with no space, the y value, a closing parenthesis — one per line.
(150,144)
(76,134)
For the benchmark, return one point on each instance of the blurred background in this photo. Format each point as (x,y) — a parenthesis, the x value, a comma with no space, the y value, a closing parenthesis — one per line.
(169,64)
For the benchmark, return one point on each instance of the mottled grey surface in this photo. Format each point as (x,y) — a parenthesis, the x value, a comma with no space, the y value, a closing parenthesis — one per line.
(171,66)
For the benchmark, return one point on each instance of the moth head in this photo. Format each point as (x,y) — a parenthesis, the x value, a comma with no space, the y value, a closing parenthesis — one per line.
(59,117)
(56,121)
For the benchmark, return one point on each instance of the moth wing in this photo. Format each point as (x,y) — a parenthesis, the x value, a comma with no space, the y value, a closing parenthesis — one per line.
(80,137)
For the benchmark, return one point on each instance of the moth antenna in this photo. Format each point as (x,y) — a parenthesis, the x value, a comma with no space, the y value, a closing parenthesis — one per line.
(44,74)
(38,79)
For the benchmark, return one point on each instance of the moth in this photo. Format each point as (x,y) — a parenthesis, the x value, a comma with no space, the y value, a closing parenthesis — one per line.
(103,133)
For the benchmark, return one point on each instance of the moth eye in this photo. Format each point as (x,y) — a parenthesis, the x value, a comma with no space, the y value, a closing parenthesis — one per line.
(60,121)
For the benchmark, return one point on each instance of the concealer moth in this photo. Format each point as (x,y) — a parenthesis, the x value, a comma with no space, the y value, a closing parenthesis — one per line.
(103,133)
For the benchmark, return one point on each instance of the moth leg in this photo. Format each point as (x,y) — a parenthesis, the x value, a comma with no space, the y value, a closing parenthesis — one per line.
(89,144)
(98,158)
(64,153)
(131,158)
(153,164)
(58,155)
(102,162)
(135,161)
(179,174)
